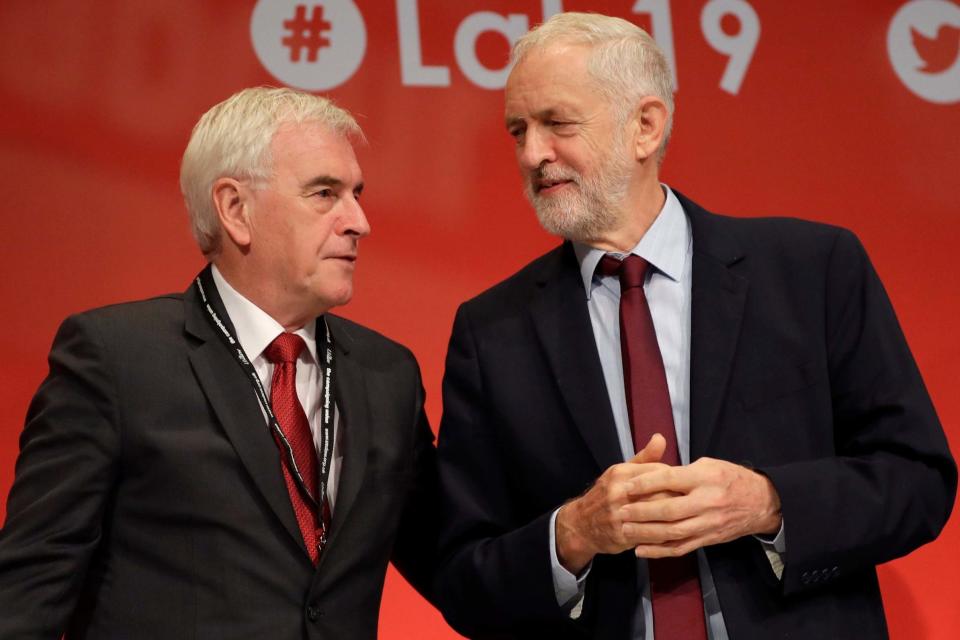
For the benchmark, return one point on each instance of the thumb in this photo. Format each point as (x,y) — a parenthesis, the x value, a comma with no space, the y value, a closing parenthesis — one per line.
(653,451)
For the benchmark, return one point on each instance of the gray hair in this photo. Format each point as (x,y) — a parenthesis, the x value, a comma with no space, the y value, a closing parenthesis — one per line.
(233,139)
(624,60)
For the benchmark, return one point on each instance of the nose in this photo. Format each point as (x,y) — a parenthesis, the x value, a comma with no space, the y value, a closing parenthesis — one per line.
(355,220)
(535,149)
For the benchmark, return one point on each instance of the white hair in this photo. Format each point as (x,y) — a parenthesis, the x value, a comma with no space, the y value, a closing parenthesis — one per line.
(233,139)
(626,63)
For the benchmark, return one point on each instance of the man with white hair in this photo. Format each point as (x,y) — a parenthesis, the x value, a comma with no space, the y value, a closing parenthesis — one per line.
(676,425)
(233,462)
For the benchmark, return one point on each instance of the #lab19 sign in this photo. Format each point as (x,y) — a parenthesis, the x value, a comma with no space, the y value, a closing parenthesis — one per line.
(318,46)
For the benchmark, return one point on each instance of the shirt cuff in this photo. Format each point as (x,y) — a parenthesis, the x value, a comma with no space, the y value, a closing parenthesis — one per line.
(567,587)
(775,549)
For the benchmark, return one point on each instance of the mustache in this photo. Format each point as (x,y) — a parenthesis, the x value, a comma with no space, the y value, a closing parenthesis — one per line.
(550,174)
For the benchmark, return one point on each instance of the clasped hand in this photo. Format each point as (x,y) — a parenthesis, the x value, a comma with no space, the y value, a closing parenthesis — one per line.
(663,511)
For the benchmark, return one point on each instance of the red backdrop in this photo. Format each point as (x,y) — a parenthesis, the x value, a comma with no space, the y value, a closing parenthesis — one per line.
(843,111)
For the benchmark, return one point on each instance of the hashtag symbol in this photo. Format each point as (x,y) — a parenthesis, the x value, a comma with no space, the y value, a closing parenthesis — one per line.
(306,34)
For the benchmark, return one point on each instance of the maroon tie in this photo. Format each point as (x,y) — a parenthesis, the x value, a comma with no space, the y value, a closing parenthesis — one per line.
(674,582)
(283,353)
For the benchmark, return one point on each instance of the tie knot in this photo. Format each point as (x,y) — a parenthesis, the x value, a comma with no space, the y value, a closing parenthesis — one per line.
(285,348)
(630,270)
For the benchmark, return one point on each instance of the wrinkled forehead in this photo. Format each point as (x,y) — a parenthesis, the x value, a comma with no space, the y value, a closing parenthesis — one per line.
(556,60)
(549,77)
(287,130)
(312,148)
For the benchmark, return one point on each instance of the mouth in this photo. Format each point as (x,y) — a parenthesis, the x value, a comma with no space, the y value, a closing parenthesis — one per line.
(550,187)
(547,186)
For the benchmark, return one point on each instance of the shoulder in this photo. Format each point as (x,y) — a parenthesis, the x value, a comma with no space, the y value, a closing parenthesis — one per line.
(769,238)
(783,231)
(516,291)
(126,339)
(141,317)
(368,344)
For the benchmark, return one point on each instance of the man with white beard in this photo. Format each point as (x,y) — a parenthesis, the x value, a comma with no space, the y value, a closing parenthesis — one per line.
(676,425)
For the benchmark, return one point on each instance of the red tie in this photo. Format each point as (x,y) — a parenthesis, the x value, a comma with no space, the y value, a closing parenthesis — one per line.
(283,353)
(674,582)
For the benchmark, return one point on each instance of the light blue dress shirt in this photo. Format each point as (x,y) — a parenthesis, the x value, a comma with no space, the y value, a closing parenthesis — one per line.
(667,246)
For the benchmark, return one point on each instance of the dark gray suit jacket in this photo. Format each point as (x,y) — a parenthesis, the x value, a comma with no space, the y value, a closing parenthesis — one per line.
(798,368)
(149,503)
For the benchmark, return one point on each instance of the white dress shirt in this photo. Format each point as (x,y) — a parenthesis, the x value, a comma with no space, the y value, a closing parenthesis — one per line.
(255,330)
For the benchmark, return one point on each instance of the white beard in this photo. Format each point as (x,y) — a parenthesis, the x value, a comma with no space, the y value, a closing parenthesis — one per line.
(586,208)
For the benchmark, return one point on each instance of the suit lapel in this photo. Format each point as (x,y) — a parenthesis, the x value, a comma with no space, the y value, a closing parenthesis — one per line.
(562,322)
(232,399)
(355,424)
(718,297)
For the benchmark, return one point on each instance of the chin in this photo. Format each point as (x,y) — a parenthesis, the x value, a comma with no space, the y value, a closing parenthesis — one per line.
(559,221)
(337,298)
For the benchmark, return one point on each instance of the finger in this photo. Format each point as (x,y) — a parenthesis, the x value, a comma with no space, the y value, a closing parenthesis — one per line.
(672,549)
(645,461)
(646,497)
(681,479)
(658,533)
(652,452)
(624,472)
(660,507)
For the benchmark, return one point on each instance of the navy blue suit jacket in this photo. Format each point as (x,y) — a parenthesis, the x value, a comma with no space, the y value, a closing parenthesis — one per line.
(798,369)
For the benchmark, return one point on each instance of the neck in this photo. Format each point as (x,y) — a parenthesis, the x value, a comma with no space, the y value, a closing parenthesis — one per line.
(641,206)
(264,297)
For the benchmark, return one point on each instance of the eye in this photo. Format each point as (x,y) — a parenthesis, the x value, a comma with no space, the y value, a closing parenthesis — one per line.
(324,193)
(517,132)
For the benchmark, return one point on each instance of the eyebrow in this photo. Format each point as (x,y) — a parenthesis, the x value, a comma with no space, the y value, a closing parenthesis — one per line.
(323,181)
(544,114)
(329,181)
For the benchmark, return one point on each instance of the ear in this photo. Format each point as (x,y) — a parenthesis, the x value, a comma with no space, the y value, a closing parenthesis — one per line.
(230,199)
(649,125)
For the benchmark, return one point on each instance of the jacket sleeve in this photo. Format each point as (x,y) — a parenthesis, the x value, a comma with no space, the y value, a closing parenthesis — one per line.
(415,549)
(64,476)
(890,485)
(495,571)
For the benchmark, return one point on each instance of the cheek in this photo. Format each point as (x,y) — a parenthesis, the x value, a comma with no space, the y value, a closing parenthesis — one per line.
(598,145)
(574,153)
(322,238)
(522,167)
(309,245)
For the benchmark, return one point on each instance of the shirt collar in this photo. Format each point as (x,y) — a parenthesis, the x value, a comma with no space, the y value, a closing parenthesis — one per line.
(664,245)
(254,326)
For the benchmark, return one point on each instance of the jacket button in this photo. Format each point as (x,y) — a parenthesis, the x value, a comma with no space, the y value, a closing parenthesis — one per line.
(313,613)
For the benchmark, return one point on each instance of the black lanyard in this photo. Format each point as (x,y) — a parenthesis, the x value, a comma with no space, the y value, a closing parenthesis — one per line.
(210,299)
